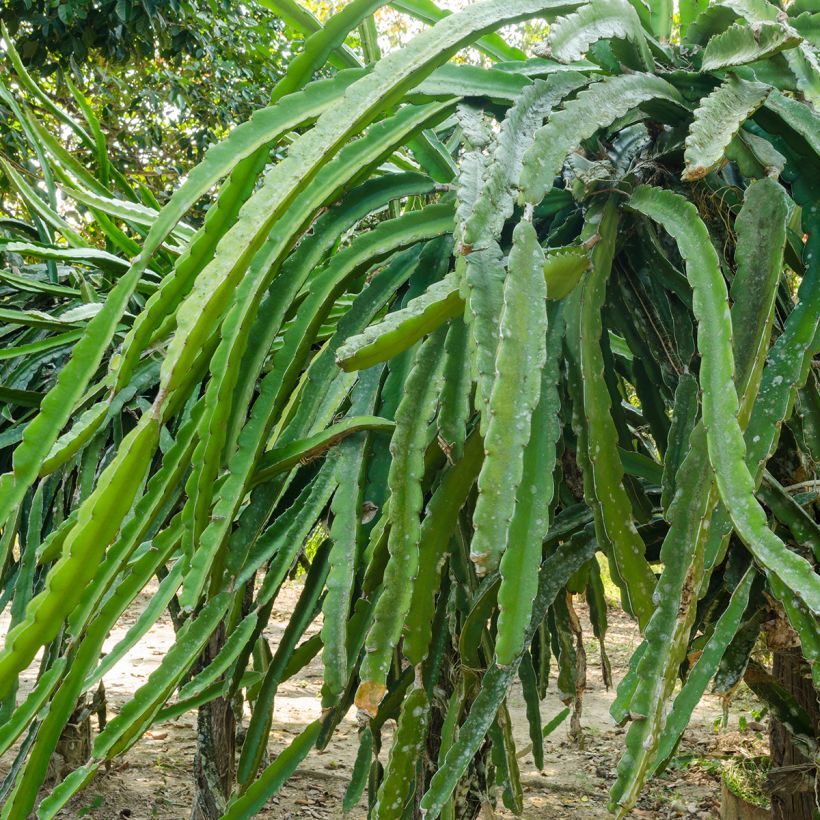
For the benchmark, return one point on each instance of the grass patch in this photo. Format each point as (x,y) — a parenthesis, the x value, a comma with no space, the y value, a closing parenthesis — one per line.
(745,778)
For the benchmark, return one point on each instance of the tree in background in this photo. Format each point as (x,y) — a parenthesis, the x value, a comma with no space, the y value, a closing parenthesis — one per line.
(165,79)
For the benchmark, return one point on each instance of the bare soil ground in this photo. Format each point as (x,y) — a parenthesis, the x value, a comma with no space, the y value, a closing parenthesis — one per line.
(153,780)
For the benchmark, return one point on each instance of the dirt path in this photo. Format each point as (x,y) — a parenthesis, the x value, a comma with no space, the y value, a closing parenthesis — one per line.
(153,780)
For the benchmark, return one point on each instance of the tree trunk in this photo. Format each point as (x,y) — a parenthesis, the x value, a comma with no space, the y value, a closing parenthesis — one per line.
(471,794)
(214,764)
(74,746)
(793,777)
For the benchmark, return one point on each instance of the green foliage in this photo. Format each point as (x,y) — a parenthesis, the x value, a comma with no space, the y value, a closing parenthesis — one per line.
(443,320)
(163,81)
(58,31)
